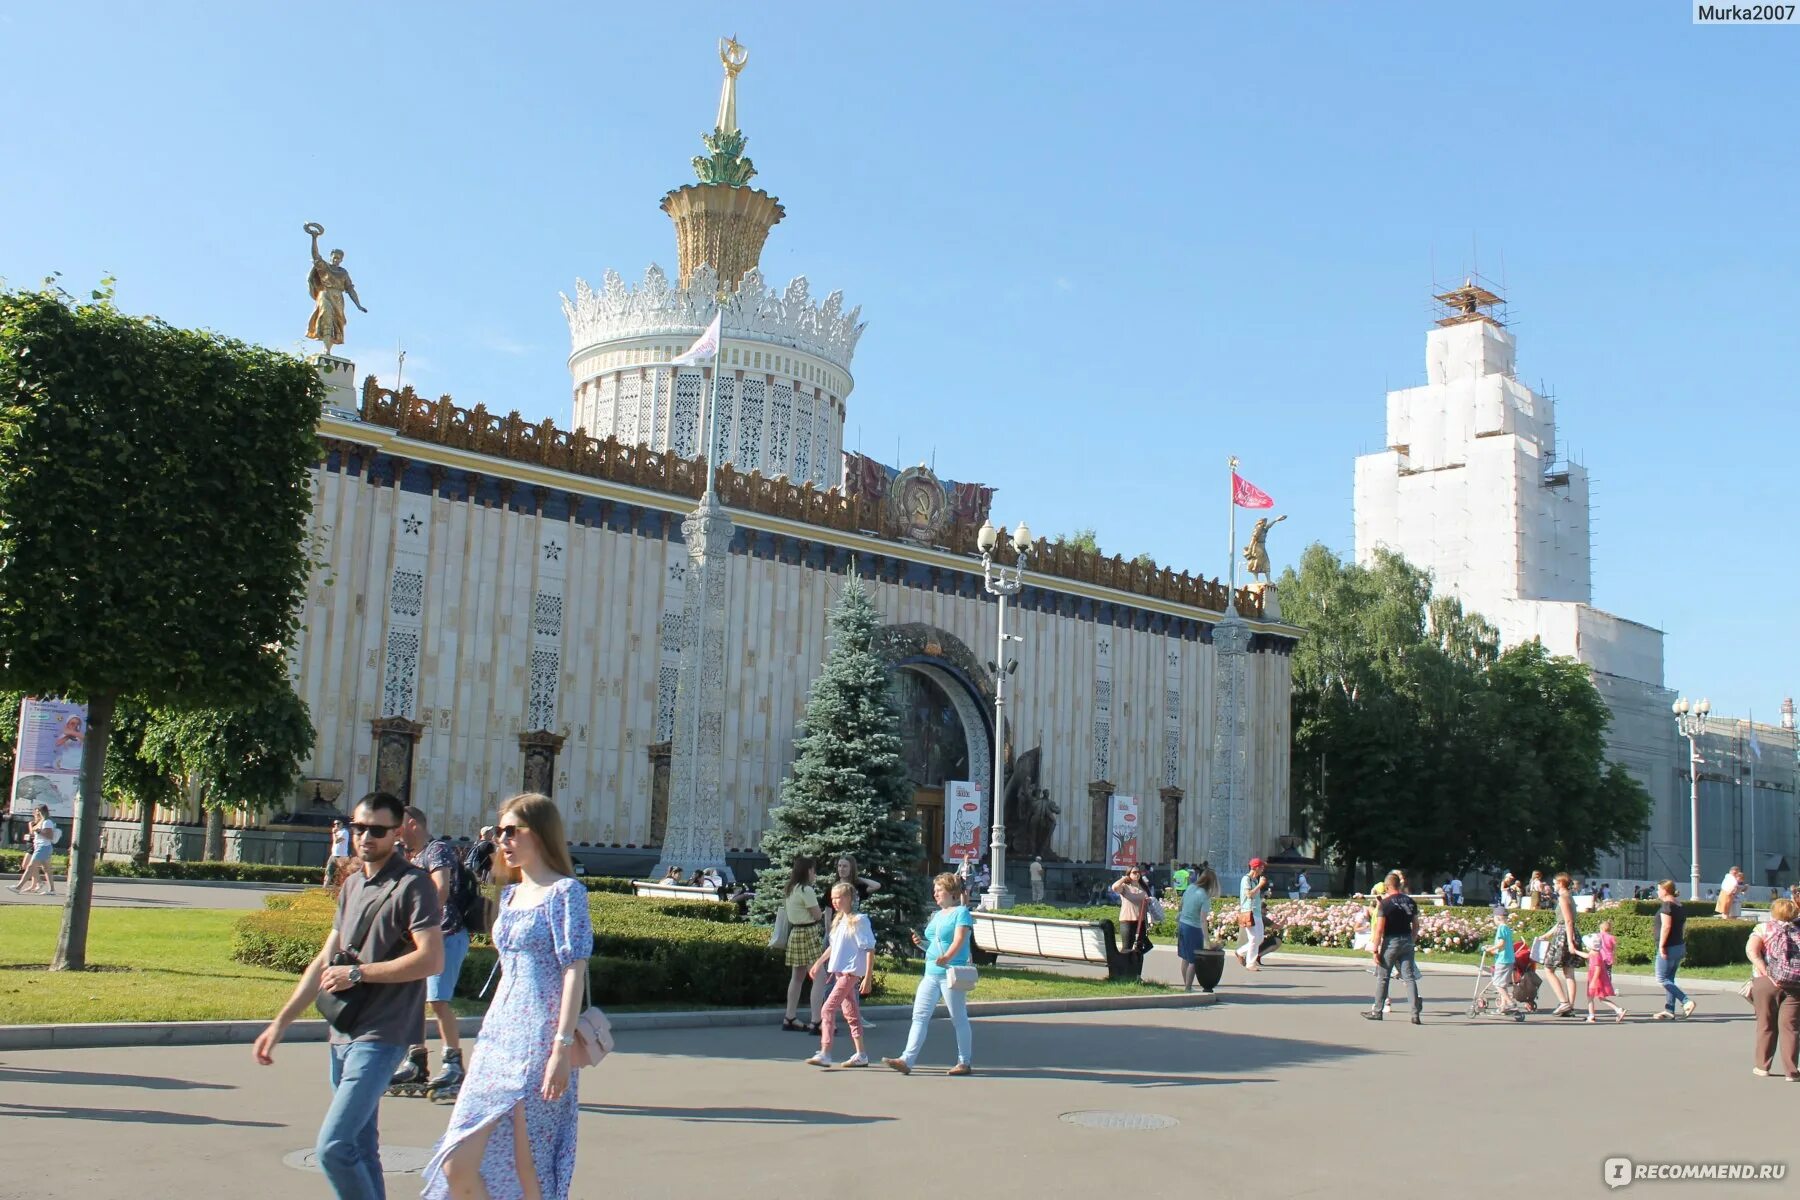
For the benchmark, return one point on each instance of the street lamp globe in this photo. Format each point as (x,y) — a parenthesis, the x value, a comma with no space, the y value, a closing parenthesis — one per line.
(986,537)
(1705,707)
(1022,538)
(1680,707)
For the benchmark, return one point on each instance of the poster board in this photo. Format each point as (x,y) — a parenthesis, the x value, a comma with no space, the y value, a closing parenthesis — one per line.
(965,816)
(1122,828)
(47,767)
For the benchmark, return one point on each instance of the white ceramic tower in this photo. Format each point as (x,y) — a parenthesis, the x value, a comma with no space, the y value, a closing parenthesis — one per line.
(785,366)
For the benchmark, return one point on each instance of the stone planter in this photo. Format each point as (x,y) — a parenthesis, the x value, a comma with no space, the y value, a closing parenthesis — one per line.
(1209,968)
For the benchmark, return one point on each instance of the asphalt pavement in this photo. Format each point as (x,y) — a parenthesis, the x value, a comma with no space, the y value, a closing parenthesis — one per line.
(1280,1090)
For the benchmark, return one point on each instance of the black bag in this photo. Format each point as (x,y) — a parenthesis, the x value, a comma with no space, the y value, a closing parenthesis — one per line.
(465,896)
(341,1009)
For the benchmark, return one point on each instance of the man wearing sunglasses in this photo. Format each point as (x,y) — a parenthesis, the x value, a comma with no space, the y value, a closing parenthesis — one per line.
(394,908)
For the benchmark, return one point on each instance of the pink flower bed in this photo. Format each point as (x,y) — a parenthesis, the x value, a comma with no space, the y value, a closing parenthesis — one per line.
(1311,923)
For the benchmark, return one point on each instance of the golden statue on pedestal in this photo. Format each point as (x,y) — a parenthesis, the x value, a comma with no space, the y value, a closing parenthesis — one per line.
(1256,554)
(328,283)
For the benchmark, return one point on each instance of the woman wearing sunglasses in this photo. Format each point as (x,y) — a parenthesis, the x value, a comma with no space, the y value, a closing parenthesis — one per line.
(513,1131)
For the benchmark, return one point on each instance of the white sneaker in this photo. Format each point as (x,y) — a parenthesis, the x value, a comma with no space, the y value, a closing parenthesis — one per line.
(1687,1009)
(855,1060)
(821,1059)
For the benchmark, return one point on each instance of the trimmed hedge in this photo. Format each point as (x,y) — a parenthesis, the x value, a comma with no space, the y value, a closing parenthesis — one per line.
(611,884)
(645,952)
(236,872)
(1696,910)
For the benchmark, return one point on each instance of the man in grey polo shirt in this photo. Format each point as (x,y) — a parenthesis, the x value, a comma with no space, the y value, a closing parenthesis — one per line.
(398,904)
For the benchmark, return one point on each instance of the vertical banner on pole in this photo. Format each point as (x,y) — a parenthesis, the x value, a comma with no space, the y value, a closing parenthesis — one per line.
(1123,830)
(47,766)
(965,816)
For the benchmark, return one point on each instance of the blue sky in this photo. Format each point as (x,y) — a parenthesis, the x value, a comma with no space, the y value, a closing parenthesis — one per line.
(1099,247)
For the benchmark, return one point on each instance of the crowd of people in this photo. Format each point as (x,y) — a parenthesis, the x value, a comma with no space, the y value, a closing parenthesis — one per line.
(408,903)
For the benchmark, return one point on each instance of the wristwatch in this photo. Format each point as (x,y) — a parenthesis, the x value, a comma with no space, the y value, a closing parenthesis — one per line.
(567,1039)
(355,972)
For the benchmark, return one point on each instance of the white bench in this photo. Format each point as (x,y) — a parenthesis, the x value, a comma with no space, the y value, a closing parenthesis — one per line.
(1048,937)
(675,891)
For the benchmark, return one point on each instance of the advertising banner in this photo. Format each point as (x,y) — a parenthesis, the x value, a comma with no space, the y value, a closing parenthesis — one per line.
(1123,828)
(47,768)
(965,816)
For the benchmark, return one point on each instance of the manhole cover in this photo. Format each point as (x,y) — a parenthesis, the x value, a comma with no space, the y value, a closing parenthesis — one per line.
(395,1160)
(1098,1118)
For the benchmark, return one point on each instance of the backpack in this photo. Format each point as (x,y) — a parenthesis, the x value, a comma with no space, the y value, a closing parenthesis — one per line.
(465,896)
(1781,951)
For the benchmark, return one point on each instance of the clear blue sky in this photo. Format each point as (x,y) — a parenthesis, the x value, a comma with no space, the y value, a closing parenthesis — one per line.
(1099,247)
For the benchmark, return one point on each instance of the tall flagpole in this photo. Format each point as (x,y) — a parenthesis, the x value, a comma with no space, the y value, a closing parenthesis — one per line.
(712,494)
(1231,551)
(1754,872)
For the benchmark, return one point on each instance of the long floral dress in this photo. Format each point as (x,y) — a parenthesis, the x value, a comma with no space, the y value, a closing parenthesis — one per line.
(517,1035)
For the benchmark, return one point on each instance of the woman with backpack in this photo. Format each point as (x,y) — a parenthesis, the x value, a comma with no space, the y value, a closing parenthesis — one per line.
(1774,953)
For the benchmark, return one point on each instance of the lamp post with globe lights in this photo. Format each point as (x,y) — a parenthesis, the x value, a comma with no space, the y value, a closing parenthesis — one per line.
(1000,583)
(1690,721)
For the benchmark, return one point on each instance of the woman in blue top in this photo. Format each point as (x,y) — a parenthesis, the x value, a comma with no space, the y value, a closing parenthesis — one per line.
(946,945)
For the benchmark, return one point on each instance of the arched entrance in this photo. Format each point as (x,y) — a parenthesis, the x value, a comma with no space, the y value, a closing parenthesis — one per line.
(945,722)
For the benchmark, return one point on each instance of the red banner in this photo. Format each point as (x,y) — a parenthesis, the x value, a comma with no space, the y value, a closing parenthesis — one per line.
(1245,494)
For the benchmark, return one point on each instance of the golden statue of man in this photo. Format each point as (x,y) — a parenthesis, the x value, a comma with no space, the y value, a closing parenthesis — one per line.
(328,283)
(734,56)
(1256,554)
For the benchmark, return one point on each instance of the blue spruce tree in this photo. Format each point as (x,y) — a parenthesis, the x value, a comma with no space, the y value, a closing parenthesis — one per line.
(849,790)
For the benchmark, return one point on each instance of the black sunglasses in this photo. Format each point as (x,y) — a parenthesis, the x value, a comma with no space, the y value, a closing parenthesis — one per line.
(358,829)
(507,832)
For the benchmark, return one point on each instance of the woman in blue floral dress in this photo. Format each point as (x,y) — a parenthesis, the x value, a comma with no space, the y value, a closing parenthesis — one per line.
(512,1135)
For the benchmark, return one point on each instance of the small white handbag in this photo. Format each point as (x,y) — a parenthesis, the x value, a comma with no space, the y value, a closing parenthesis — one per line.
(778,940)
(962,978)
(593,1034)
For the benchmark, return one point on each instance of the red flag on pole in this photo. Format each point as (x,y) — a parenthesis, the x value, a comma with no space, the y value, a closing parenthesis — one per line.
(1245,494)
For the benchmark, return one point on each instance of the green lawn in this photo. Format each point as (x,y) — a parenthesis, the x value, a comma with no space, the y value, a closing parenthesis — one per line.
(176,965)
(1737,972)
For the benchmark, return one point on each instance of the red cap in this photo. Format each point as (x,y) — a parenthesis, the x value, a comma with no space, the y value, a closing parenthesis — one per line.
(1256,862)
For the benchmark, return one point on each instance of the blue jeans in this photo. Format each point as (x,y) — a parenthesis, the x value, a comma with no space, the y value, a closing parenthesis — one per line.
(924,1004)
(1666,966)
(349,1149)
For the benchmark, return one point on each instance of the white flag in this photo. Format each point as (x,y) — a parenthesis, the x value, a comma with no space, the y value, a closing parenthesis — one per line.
(705,349)
(1755,746)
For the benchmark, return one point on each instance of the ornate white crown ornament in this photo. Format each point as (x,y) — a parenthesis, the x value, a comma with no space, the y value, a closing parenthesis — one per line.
(656,306)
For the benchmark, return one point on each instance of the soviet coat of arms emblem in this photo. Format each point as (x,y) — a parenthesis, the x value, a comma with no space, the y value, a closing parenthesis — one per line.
(919,505)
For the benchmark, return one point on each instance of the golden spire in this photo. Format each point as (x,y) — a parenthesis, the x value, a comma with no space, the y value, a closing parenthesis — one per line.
(734,56)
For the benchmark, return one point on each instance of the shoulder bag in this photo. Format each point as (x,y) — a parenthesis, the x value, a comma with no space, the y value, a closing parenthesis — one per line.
(341,1009)
(593,1032)
(962,978)
(778,940)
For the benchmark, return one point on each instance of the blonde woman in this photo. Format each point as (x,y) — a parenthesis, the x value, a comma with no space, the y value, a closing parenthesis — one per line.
(42,834)
(512,1134)
(946,944)
(845,967)
(1774,953)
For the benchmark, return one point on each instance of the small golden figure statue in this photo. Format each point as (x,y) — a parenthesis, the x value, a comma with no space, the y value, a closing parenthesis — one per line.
(1256,554)
(328,283)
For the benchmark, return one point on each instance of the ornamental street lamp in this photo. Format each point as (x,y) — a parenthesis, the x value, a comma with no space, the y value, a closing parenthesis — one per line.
(1690,722)
(1000,583)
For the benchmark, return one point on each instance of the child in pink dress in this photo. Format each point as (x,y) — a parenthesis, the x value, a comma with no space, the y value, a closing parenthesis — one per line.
(1600,965)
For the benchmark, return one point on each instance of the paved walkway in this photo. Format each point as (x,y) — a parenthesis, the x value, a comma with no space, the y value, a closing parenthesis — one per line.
(1280,1091)
(152,893)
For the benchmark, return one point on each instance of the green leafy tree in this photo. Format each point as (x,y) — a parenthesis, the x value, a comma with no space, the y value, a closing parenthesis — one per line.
(849,789)
(1418,744)
(153,508)
(9,733)
(1081,539)
(131,778)
(239,759)
(1567,805)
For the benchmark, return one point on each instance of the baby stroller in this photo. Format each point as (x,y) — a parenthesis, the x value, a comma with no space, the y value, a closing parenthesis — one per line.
(1525,983)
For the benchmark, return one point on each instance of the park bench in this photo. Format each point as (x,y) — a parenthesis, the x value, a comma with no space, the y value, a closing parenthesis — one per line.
(675,891)
(1048,937)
